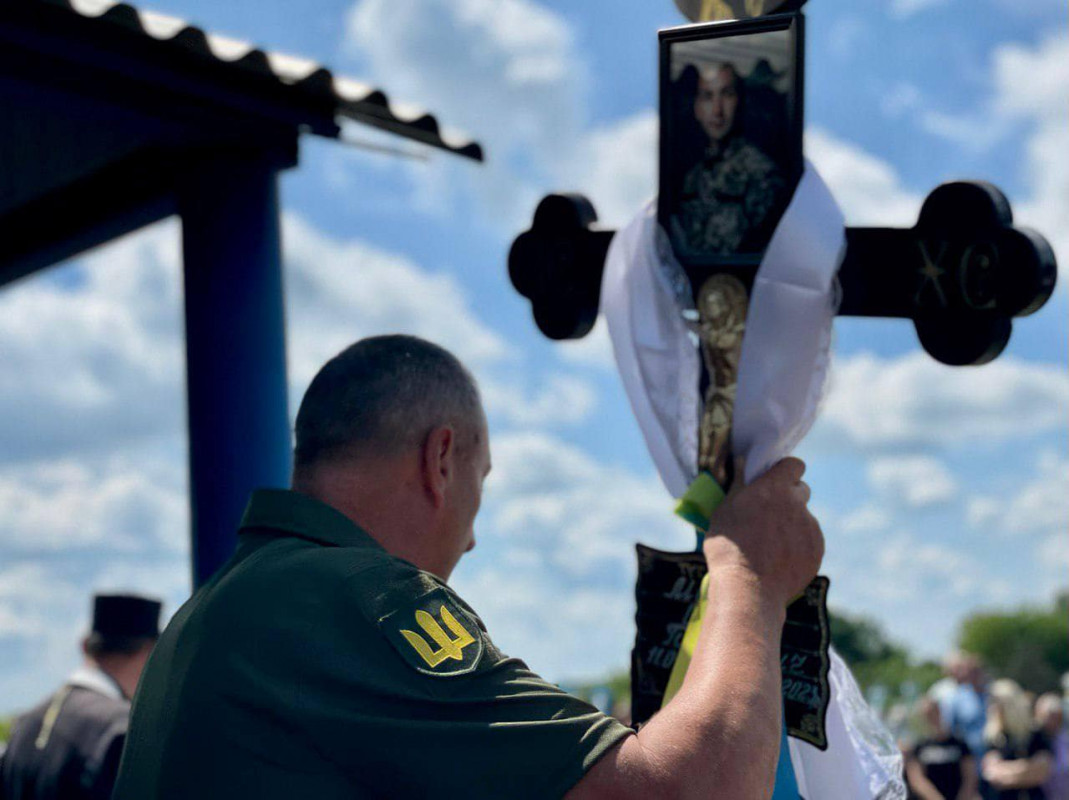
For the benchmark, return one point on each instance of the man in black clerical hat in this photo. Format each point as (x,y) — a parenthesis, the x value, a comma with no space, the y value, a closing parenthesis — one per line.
(69,745)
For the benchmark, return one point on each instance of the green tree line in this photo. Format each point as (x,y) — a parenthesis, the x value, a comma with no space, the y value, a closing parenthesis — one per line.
(1028,644)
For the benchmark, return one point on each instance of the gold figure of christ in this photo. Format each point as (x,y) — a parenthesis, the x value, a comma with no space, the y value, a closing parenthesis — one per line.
(722,305)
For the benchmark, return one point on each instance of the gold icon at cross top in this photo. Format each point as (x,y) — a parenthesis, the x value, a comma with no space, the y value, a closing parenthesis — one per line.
(710,10)
(448,647)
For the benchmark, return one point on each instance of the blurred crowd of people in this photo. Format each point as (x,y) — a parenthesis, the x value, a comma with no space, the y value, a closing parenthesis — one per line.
(988,739)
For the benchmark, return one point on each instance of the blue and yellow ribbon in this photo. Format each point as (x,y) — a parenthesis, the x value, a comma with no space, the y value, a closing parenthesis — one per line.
(696,506)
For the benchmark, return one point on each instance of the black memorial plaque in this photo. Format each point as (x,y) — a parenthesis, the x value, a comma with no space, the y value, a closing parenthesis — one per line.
(804,663)
(665,592)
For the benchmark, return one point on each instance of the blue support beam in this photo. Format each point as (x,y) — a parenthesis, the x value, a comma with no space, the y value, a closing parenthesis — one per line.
(239,435)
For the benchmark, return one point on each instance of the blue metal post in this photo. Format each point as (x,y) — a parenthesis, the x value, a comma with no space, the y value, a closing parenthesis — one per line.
(239,436)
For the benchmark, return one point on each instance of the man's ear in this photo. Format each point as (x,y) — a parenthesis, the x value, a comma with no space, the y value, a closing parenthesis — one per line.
(437,463)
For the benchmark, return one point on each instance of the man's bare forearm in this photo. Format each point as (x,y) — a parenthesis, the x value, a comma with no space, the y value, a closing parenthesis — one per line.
(719,736)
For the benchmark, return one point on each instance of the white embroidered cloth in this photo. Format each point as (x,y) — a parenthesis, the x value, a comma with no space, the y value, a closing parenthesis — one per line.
(648,307)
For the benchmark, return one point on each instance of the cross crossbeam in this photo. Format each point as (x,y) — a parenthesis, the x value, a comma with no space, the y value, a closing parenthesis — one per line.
(962,273)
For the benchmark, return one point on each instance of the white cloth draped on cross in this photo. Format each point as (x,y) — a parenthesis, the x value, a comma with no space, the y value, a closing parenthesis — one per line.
(648,306)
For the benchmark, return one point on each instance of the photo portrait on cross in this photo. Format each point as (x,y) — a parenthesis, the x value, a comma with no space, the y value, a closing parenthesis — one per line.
(730,138)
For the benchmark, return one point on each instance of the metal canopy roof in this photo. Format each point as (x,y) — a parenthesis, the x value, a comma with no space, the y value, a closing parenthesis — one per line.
(306,83)
(114,118)
(108,109)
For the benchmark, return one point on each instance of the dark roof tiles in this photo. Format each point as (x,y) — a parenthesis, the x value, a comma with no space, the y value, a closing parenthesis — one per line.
(353,99)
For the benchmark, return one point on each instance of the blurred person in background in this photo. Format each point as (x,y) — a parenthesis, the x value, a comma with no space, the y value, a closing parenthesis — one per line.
(1018,760)
(1050,719)
(939,766)
(954,668)
(965,711)
(68,746)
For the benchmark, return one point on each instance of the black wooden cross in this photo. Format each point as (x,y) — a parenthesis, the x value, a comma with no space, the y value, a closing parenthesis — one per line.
(962,273)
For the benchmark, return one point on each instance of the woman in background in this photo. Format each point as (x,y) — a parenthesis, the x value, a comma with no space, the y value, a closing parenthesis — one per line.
(1018,759)
(1050,718)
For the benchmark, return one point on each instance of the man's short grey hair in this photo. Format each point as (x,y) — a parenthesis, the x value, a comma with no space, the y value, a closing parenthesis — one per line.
(381,396)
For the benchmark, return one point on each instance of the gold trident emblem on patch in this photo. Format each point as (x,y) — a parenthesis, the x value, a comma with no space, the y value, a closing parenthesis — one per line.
(447,647)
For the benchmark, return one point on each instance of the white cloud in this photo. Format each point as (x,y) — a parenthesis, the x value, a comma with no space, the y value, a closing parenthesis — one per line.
(43,614)
(899,99)
(582,516)
(869,518)
(976,132)
(92,357)
(1033,85)
(1029,102)
(907,568)
(915,481)
(564,399)
(571,499)
(32,584)
(616,166)
(341,291)
(45,611)
(506,70)
(513,55)
(981,512)
(907,8)
(127,505)
(913,401)
(520,60)
(593,350)
(867,188)
(1039,507)
(1032,82)
(1053,553)
(846,34)
(91,354)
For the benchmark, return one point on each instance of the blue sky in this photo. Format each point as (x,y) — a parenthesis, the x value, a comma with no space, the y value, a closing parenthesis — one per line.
(941,491)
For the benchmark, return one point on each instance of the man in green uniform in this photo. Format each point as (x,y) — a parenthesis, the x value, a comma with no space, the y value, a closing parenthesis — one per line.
(330,659)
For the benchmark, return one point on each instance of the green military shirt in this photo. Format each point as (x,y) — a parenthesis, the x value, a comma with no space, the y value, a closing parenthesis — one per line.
(315,664)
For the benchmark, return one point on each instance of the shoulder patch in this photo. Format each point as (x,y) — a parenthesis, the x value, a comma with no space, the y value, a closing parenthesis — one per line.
(434,635)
